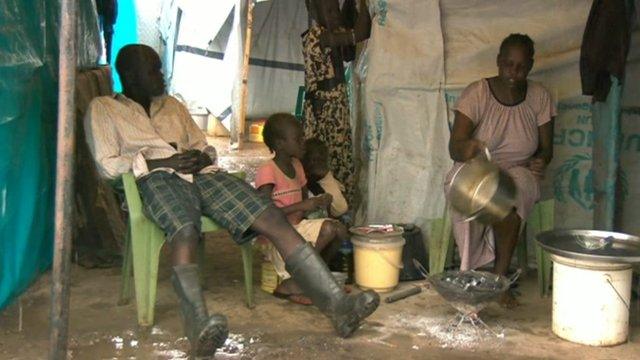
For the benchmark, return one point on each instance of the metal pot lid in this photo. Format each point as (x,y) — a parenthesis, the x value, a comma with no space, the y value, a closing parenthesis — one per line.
(592,245)
(377,232)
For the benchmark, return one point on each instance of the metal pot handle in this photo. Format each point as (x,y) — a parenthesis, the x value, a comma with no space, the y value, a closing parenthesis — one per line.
(487,153)
(513,278)
(608,279)
(473,216)
(420,268)
(388,261)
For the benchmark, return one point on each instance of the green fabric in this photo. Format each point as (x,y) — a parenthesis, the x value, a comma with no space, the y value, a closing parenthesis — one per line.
(28,96)
(606,156)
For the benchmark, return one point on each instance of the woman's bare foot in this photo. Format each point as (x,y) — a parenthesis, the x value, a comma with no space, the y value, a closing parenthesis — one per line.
(507,300)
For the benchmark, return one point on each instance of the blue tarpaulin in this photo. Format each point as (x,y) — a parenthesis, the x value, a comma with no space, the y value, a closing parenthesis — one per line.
(28,107)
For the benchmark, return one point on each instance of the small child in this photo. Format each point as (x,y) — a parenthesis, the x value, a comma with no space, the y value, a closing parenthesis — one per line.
(319,177)
(283,180)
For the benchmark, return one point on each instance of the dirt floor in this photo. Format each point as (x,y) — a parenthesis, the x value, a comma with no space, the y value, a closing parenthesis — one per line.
(415,328)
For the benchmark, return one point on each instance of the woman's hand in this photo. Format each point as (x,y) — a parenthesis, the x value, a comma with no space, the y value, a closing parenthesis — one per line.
(463,150)
(537,166)
(471,148)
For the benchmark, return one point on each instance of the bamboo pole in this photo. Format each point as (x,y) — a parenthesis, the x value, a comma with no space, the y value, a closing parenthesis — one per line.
(59,325)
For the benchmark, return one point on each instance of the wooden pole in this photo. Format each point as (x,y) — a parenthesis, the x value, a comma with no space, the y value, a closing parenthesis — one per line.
(244,94)
(59,325)
(240,97)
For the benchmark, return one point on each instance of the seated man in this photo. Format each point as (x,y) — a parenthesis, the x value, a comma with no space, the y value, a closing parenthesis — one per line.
(152,134)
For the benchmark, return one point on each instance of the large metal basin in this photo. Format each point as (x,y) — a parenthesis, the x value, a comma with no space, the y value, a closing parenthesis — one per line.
(619,247)
(481,191)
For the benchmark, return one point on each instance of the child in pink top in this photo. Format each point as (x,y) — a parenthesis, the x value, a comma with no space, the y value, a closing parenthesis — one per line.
(283,180)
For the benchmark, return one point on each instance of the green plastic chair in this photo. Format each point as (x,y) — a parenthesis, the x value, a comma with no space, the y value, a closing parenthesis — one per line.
(440,242)
(142,250)
(541,219)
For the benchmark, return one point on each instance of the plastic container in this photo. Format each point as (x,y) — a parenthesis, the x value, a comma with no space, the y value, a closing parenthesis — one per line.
(377,259)
(590,301)
(201,118)
(269,279)
(255,131)
(414,249)
(343,261)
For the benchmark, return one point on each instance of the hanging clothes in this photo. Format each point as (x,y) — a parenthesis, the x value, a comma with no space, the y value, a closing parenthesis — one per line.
(326,107)
(605,46)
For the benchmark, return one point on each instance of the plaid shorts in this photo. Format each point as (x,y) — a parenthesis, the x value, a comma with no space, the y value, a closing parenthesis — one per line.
(174,203)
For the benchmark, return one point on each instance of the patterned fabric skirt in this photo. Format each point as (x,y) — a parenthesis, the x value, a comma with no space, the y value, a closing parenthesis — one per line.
(331,125)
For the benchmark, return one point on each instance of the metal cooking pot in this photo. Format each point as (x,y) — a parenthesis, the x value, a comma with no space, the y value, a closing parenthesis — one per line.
(481,191)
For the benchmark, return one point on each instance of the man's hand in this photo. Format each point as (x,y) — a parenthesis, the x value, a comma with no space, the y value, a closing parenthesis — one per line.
(537,166)
(186,162)
(203,160)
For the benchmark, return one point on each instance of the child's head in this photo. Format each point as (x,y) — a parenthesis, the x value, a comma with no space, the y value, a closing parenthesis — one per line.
(283,134)
(316,159)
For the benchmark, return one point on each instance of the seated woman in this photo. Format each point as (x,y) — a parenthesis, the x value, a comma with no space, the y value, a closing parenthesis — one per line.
(513,118)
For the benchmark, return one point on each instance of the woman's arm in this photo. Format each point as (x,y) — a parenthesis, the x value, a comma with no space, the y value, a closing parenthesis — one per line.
(462,146)
(544,154)
(545,146)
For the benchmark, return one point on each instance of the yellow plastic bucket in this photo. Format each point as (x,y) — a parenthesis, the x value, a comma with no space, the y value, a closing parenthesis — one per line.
(270,278)
(378,259)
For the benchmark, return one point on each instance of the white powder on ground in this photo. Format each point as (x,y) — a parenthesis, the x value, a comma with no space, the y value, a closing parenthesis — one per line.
(440,329)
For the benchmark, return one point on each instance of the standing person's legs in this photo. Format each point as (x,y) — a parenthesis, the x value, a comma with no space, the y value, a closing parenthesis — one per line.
(174,205)
(330,122)
(238,207)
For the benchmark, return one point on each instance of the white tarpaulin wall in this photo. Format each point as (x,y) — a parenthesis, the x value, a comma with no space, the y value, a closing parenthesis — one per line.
(405,130)
(208,50)
(425,51)
(420,56)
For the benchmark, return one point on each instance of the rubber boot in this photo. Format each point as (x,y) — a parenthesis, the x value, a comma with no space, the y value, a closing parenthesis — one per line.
(313,276)
(206,333)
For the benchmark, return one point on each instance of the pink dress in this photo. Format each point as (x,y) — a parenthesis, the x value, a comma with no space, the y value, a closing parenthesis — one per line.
(286,191)
(511,134)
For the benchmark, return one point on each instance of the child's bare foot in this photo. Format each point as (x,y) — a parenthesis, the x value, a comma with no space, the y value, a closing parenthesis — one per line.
(288,290)
(507,300)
